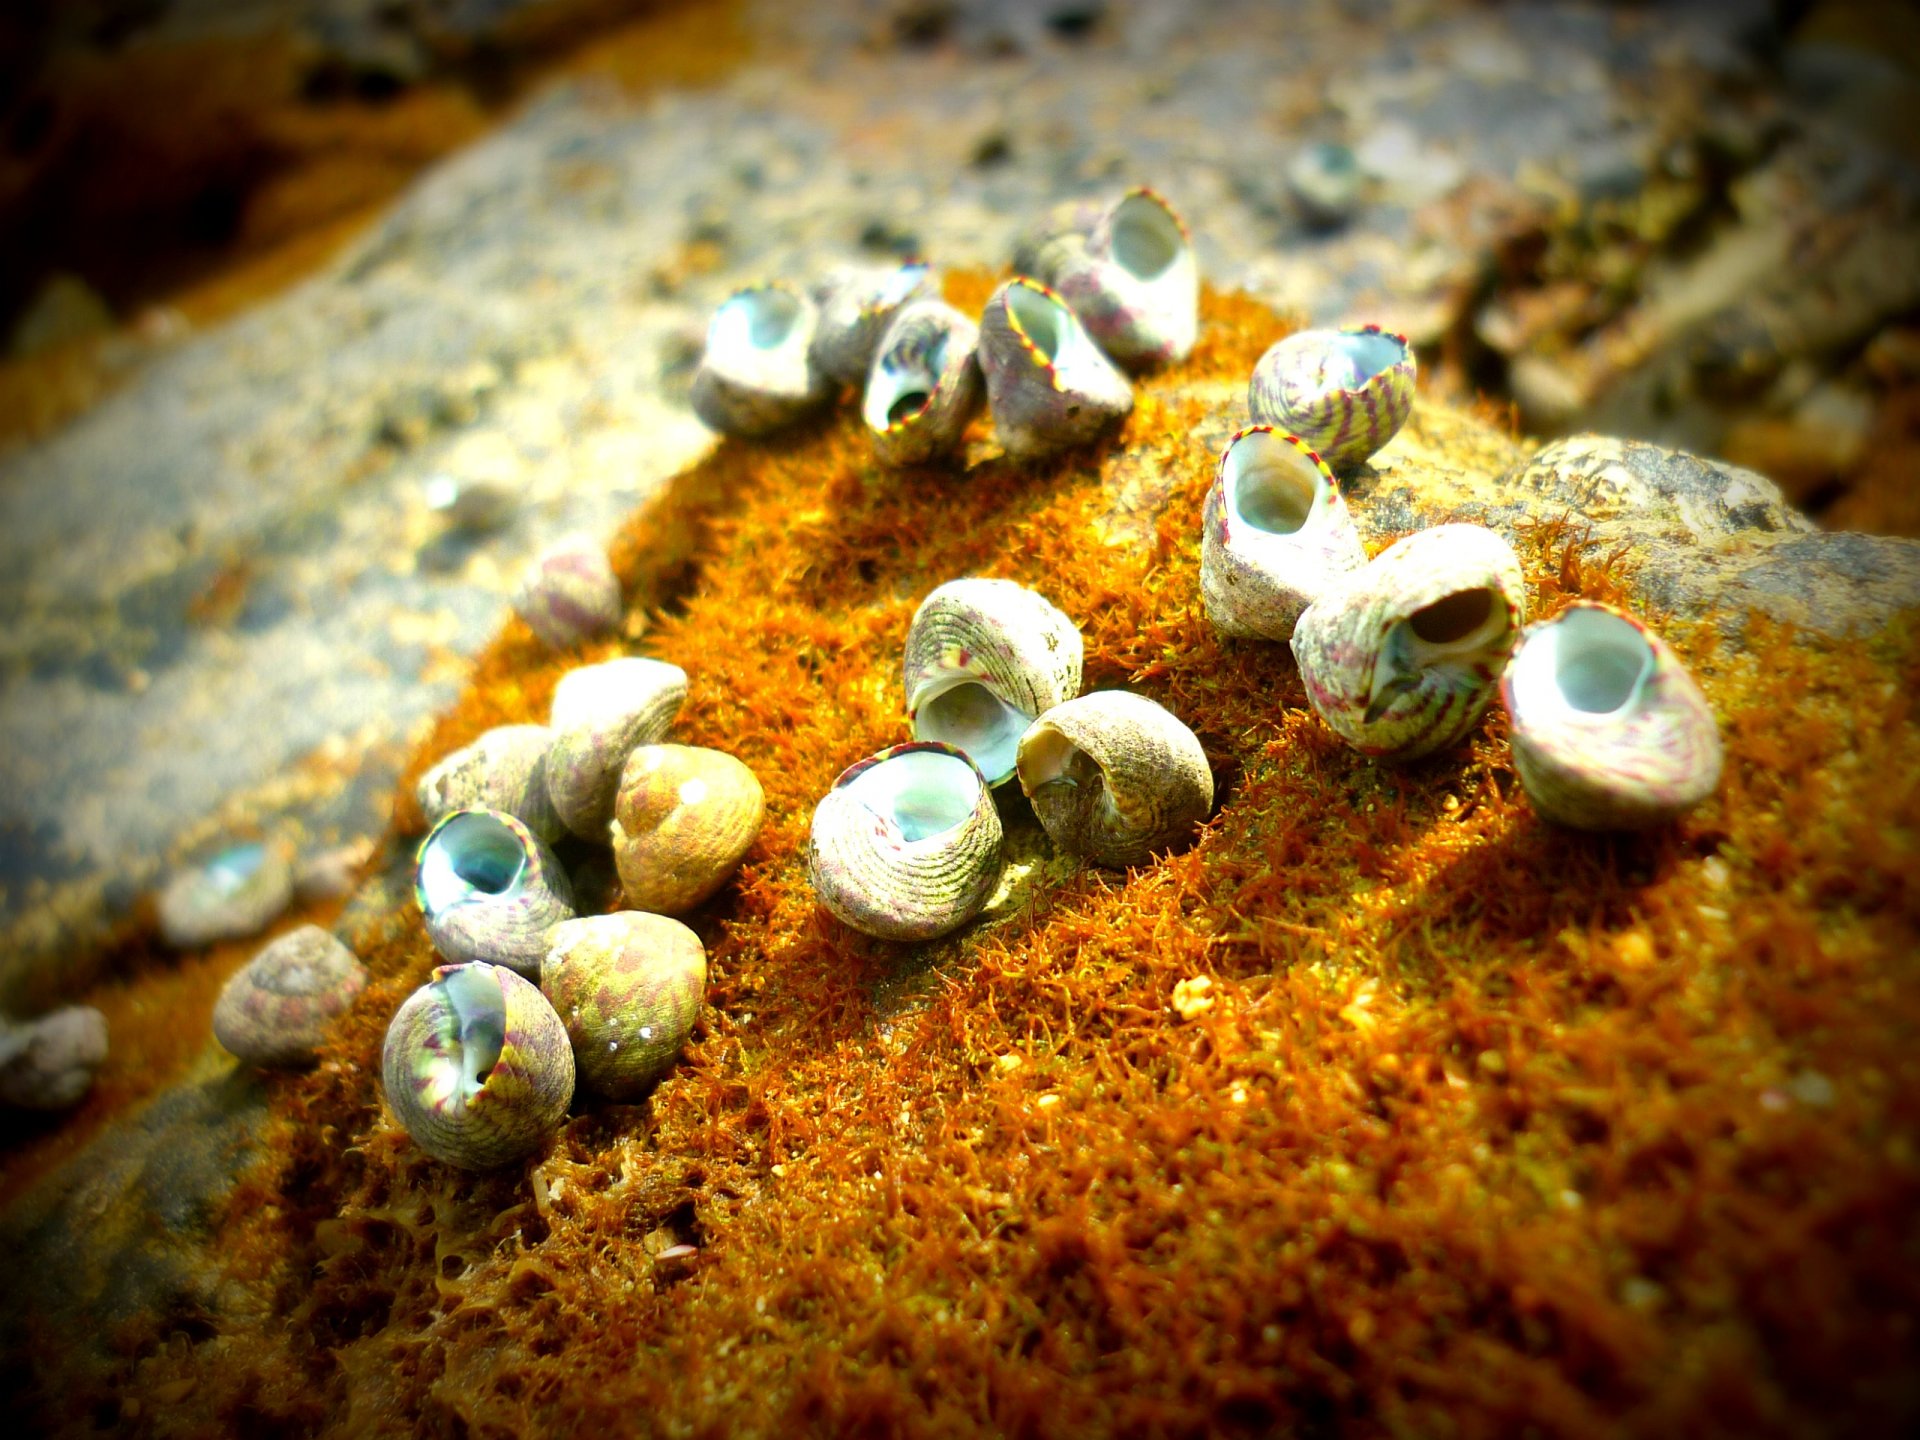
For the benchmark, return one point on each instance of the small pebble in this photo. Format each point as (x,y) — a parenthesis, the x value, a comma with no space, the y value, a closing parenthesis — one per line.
(48,1064)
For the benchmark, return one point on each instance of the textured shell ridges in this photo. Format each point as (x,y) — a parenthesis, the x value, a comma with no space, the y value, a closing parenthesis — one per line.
(569,592)
(857,304)
(1345,392)
(758,373)
(502,769)
(276,1008)
(925,387)
(1126,268)
(1049,386)
(600,714)
(627,987)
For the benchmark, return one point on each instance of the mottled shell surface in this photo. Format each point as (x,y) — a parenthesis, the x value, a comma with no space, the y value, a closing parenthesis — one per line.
(1609,731)
(238,893)
(569,593)
(48,1063)
(275,1009)
(1275,534)
(925,386)
(1049,386)
(906,845)
(600,713)
(1345,392)
(684,818)
(1400,658)
(757,374)
(490,890)
(983,659)
(477,1067)
(503,769)
(1127,270)
(627,987)
(1113,777)
(857,305)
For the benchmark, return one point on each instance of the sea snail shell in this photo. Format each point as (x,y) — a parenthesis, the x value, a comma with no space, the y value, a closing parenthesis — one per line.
(906,845)
(239,892)
(1609,730)
(275,1009)
(627,987)
(490,890)
(1275,534)
(569,592)
(48,1063)
(925,385)
(477,1067)
(1345,392)
(756,375)
(503,769)
(1048,384)
(684,818)
(600,714)
(1114,777)
(857,304)
(983,659)
(1401,655)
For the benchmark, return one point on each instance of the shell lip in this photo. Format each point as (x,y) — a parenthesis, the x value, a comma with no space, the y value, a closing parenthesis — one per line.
(745,351)
(1326,488)
(905,747)
(1372,375)
(1048,363)
(1121,217)
(1001,738)
(1542,685)
(931,813)
(440,878)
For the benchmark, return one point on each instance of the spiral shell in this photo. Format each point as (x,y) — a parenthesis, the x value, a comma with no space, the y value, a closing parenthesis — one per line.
(1275,534)
(1114,777)
(1049,385)
(1609,730)
(238,893)
(275,1009)
(48,1063)
(1345,392)
(600,713)
(983,658)
(684,818)
(503,769)
(925,386)
(477,1067)
(569,593)
(857,304)
(1127,270)
(627,987)
(906,845)
(757,374)
(490,890)
(1400,657)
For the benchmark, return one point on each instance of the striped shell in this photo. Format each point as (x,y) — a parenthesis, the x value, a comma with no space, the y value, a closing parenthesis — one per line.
(906,845)
(757,374)
(684,818)
(627,988)
(1048,384)
(600,713)
(1345,392)
(857,304)
(569,593)
(1609,730)
(983,659)
(1114,777)
(276,1008)
(925,386)
(490,890)
(503,769)
(1275,533)
(477,1067)
(1401,656)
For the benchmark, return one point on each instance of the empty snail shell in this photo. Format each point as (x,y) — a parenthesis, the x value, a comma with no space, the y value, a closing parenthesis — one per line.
(477,1067)
(906,845)
(1050,387)
(1345,392)
(857,304)
(276,1008)
(627,987)
(1400,657)
(1114,777)
(683,819)
(600,713)
(502,769)
(925,386)
(983,659)
(490,890)
(1275,534)
(1609,730)
(569,592)
(237,893)
(757,374)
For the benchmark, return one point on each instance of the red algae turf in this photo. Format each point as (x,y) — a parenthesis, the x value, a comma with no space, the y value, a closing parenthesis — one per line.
(1480,1128)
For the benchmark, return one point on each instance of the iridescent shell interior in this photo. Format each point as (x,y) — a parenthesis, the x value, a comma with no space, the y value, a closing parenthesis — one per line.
(1147,240)
(1052,330)
(921,793)
(903,381)
(1355,356)
(470,856)
(1588,662)
(1271,486)
(960,711)
(758,331)
(1457,632)
(471,1028)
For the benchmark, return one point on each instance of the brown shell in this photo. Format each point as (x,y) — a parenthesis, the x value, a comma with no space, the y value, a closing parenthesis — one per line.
(627,987)
(276,1008)
(684,818)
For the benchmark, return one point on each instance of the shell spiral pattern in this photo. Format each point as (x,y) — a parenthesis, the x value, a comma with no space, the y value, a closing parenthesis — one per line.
(1345,392)
(684,818)
(1048,385)
(503,769)
(276,1008)
(925,386)
(490,890)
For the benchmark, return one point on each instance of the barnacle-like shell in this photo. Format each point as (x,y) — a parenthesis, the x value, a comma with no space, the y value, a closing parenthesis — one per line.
(906,845)
(600,713)
(1401,656)
(1049,385)
(1127,270)
(925,386)
(1275,534)
(477,1067)
(276,1008)
(503,769)
(1345,392)
(757,374)
(627,987)
(684,818)
(984,657)
(1609,730)
(1114,777)
(857,304)
(237,893)
(490,890)
(569,592)
(48,1063)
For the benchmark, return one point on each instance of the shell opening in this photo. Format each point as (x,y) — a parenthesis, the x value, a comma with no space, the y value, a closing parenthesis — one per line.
(478,1010)
(903,382)
(900,285)
(1050,758)
(1359,355)
(1146,237)
(471,856)
(920,793)
(1456,630)
(1588,661)
(1452,618)
(967,715)
(1271,486)
(230,870)
(763,319)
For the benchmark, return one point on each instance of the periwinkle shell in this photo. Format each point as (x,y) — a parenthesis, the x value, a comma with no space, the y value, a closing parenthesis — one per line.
(758,373)
(48,1063)
(502,769)
(238,893)
(627,987)
(600,714)
(1049,386)
(275,1009)
(1345,392)
(925,386)
(684,818)
(490,890)
(858,303)
(569,593)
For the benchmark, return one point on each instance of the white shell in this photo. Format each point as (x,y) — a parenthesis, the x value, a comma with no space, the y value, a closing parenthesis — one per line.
(490,890)
(1345,392)
(925,386)
(601,714)
(758,374)
(1127,269)
(1049,386)
(857,304)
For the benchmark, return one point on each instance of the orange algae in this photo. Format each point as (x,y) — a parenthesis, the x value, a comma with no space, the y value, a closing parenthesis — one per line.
(1488,1128)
